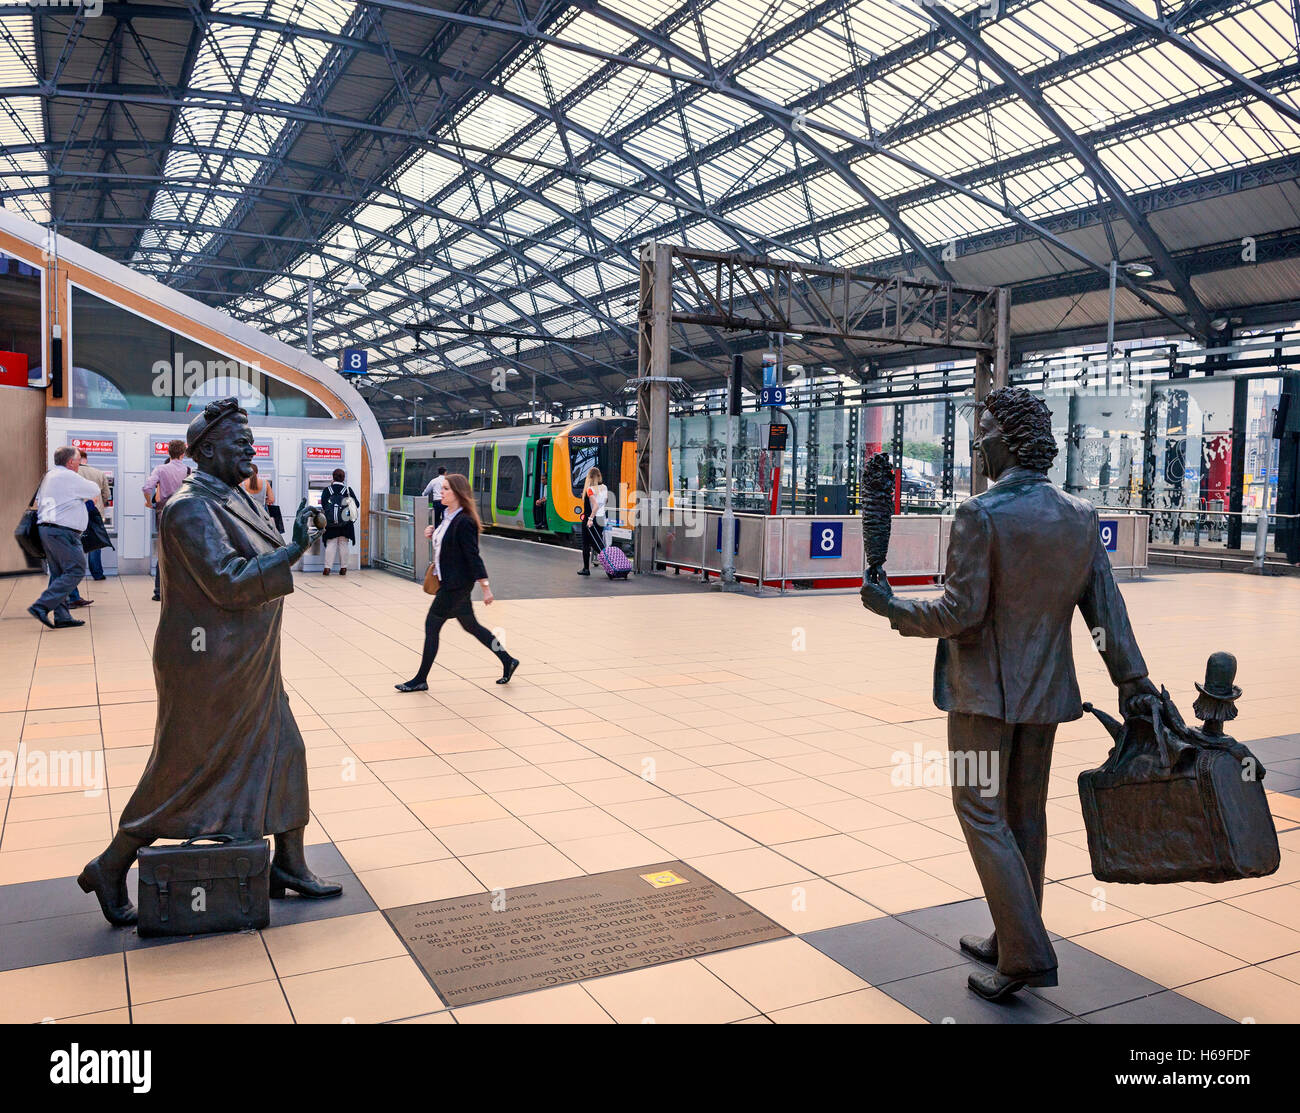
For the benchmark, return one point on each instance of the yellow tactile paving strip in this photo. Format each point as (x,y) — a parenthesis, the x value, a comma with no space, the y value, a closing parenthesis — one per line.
(751,738)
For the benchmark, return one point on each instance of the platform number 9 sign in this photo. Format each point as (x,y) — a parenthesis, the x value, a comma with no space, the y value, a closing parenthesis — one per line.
(827,540)
(1109,534)
(354,361)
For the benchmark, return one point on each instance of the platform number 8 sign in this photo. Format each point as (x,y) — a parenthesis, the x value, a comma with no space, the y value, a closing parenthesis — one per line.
(827,540)
(354,361)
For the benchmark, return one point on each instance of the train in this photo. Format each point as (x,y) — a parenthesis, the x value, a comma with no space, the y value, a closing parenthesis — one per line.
(526,478)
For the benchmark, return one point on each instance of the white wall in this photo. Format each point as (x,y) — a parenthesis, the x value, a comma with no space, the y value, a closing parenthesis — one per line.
(134,454)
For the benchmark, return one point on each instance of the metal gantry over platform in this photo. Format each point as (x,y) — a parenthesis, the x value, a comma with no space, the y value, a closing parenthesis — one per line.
(856,311)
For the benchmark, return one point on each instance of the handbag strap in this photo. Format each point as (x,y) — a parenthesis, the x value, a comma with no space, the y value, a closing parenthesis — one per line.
(209,838)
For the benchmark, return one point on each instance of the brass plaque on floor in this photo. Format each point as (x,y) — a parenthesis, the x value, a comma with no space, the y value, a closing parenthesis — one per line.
(489,945)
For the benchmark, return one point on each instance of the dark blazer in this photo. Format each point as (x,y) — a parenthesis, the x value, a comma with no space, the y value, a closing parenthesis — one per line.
(459,561)
(1021,557)
(227,755)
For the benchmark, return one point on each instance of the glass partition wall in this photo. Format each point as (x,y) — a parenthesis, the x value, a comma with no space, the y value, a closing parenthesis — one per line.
(1173,447)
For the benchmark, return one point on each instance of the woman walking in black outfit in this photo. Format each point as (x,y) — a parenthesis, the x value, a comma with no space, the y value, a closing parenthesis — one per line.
(458,566)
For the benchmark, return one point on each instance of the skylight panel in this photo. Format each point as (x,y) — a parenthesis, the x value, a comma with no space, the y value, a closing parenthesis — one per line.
(282,68)
(22,123)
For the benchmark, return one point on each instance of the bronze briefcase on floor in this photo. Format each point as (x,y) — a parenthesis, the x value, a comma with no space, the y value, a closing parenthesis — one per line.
(198,887)
(1173,804)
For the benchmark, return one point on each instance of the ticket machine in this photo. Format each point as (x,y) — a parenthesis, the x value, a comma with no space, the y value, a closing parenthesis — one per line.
(102,452)
(264,458)
(319,459)
(158,455)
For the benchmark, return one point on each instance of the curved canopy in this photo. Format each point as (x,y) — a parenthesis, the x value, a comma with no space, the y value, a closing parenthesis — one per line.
(465,184)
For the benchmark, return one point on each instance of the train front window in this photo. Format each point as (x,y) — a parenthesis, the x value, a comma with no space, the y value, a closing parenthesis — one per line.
(584,454)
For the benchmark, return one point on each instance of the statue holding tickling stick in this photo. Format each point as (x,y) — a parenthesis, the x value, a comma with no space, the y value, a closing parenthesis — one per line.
(877,514)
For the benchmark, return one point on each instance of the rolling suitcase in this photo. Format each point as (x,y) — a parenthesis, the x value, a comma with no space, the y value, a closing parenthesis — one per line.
(611,558)
(192,889)
(1175,804)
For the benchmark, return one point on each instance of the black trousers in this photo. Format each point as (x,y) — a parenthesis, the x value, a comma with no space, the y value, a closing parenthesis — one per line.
(438,511)
(454,603)
(592,541)
(1005,824)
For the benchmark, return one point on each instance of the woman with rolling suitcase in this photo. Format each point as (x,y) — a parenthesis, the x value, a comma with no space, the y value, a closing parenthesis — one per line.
(595,526)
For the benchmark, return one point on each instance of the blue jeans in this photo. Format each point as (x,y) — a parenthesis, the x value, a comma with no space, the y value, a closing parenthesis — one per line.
(67,562)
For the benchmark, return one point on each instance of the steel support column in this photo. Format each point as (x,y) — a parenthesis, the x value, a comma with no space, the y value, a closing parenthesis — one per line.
(652,399)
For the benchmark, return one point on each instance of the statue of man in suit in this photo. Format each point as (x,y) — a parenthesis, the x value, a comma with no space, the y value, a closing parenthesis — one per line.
(227,755)
(1022,556)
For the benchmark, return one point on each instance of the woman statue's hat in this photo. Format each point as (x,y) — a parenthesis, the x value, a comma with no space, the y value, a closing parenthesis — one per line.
(1220,672)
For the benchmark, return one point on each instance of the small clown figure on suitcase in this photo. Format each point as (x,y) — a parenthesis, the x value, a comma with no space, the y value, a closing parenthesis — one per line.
(1217,702)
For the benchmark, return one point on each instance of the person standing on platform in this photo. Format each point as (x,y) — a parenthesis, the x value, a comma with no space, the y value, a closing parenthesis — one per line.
(163,482)
(259,489)
(433,490)
(1022,556)
(339,504)
(94,558)
(458,566)
(61,518)
(595,497)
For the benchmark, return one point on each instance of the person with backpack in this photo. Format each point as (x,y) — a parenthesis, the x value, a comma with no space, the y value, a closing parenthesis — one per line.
(339,504)
(595,526)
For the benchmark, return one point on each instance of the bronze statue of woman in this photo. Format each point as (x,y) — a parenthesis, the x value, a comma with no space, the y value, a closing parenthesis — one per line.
(227,755)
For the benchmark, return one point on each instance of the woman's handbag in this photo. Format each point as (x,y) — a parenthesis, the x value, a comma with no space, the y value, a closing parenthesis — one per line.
(96,534)
(193,889)
(431,581)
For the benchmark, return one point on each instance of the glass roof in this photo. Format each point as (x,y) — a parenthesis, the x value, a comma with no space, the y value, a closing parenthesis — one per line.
(723,124)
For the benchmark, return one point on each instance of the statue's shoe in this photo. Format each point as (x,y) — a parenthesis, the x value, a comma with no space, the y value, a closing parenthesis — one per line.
(986,950)
(993,986)
(92,880)
(309,886)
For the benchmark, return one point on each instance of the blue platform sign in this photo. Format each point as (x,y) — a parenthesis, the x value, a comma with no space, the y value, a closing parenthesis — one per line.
(772,396)
(717,541)
(1109,533)
(354,361)
(826,540)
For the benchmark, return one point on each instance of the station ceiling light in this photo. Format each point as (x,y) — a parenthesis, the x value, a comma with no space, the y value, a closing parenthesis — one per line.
(1139,270)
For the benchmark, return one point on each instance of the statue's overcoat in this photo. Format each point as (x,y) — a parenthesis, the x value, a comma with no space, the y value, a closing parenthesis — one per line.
(227,754)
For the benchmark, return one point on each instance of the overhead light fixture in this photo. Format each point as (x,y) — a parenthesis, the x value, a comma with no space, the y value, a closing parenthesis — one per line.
(355,286)
(794,335)
(1139,270)
(1219,324)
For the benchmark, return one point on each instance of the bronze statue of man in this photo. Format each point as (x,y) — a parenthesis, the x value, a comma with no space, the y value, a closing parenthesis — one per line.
(1022,556)
(227,755)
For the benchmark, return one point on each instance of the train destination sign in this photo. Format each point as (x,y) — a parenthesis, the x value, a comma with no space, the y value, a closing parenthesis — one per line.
(495,944)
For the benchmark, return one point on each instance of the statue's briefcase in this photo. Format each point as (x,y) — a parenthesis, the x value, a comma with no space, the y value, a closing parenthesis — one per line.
(199,887)
(1174,804)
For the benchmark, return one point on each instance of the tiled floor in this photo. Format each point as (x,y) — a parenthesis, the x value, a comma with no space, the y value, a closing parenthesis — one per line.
(752,738)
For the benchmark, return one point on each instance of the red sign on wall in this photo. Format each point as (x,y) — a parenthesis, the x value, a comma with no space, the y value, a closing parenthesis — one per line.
(262,451)
(92,446)
(321,452)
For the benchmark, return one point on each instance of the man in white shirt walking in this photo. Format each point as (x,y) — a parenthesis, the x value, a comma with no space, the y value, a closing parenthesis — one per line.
(61,520)
(433,489)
